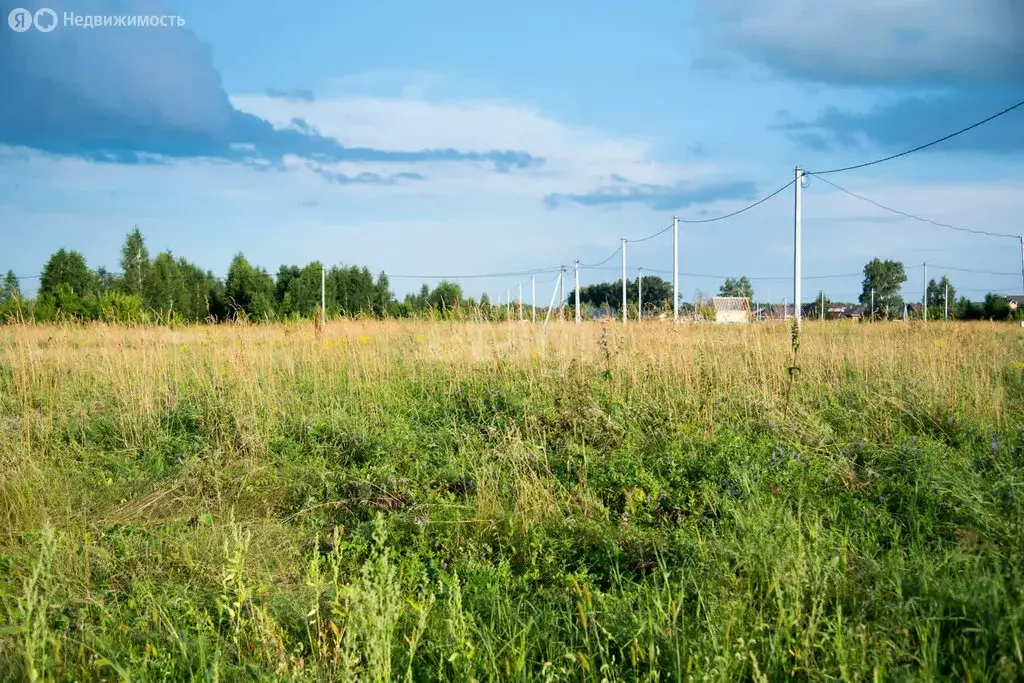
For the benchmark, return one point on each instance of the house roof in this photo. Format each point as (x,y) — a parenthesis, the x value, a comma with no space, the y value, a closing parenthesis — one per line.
(730,303)
(1015,298)
(777,310)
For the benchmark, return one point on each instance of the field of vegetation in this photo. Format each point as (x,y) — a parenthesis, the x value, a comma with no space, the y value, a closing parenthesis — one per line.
(469,501)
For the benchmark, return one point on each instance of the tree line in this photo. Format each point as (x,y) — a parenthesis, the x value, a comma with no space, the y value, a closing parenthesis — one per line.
(167,289)
(881,287)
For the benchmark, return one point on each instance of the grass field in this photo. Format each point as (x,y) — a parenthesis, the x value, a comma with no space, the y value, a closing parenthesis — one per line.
(403,501)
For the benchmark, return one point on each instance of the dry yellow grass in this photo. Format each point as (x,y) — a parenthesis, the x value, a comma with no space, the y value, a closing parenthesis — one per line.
(528,444)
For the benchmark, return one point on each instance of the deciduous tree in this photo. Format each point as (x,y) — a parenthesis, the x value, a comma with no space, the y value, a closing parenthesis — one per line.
(885,278)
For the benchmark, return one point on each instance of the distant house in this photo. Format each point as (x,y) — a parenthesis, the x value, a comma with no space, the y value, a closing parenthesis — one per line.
(855,312)
(775,312)
(1015,301)
(731,309)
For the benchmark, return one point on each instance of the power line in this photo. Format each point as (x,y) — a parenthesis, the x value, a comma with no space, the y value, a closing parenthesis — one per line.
(723,277)
(598,265)
(703,220)
(987,291)
(910,215)
(969,270)
(519,273)
(651,237)
(744,209)
(924,146)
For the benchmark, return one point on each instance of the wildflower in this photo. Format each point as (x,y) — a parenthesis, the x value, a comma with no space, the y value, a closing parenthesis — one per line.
(949,420)
(422,519)
(995,446)
(725,481)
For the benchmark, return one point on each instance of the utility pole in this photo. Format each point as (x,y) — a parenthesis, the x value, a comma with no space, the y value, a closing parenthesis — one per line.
(519,301)
(675,267)
(508,302)
(1021,237)
(796,245)
(924,292)
(623,279)
(945,300)
(640,294)
(872,304)
(785,308)
(822,305)
(554,293)
(533,300)
(323,296)
(576,283)
(561,293)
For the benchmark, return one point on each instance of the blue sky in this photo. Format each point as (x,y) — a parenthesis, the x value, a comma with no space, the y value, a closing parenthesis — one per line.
(455,138)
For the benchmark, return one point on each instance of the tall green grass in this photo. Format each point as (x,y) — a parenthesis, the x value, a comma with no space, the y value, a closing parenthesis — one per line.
(463,501)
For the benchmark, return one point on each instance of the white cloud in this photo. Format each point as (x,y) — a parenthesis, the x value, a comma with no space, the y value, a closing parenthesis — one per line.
(875,40)
(576,158)
(465,219)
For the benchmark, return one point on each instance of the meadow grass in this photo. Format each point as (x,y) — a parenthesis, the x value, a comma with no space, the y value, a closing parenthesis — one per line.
(461,501)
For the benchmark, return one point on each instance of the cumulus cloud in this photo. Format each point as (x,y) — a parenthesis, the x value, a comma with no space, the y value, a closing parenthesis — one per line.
(906,122)
(873,41)
(136,96)
(293,94)
(948,64)
(657,197)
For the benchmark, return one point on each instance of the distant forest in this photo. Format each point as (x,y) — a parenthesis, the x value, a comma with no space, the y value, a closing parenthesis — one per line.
(169,289)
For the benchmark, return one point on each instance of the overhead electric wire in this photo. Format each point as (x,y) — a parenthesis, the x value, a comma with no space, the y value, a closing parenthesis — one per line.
(969,270)
(598,265)
(910,215)
(651,237)
(518,273)
(744,209)
(723,277)
(924,146)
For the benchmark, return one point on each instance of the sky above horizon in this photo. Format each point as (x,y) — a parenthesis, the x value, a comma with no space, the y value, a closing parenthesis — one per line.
(456,138)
